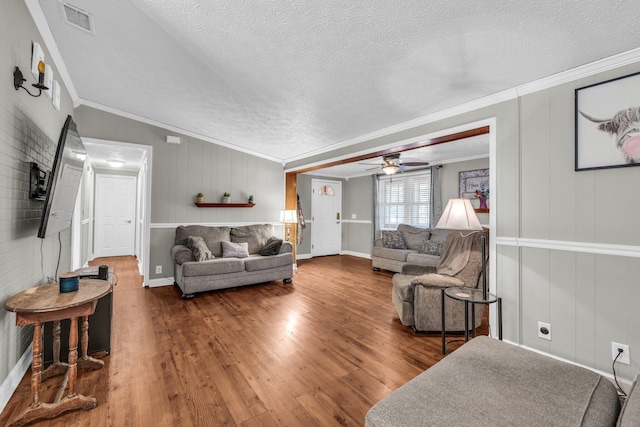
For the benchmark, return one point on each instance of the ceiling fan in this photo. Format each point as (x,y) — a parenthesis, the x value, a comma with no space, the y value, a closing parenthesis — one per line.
(393,163)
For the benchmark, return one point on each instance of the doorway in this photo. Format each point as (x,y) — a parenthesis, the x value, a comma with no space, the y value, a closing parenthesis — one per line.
(115,215)
(326,210)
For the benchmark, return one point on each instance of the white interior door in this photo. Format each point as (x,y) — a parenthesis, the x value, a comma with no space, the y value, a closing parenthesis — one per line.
(115,215)
(326,208)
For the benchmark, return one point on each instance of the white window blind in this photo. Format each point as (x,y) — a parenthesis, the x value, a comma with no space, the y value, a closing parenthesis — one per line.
(405,199)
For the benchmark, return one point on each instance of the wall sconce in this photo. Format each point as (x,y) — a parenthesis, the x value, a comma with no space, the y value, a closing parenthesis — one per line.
(18,80)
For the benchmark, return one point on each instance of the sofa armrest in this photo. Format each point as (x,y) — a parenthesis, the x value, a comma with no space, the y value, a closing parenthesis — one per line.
(181,254)
(286,248)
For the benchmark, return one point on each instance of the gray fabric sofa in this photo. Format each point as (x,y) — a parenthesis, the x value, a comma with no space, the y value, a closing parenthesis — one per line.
(491,383)
(394,259)
(192,276)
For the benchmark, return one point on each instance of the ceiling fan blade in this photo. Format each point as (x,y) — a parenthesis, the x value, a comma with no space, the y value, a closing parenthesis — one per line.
(415,163)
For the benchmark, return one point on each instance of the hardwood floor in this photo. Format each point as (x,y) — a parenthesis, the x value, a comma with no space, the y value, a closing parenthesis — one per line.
(319,352)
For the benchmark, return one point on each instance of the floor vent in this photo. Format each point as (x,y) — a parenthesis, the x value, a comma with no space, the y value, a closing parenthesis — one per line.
(78,17)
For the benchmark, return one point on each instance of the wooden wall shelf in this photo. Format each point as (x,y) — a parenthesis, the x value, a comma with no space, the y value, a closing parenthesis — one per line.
(225,205)
(478,210)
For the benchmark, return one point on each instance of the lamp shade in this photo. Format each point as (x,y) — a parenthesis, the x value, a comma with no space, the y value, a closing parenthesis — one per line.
(288,216)
(390,169)
(459,215)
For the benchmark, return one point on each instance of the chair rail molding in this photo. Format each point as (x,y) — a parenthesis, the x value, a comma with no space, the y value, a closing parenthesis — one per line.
(563,245)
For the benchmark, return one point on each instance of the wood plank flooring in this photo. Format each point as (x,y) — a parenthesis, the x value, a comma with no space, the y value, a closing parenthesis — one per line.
(318,352)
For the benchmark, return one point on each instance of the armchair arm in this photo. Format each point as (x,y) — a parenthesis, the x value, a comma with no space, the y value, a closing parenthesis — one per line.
(436,281)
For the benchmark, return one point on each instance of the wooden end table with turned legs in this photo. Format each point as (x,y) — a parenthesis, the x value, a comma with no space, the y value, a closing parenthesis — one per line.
(41,304)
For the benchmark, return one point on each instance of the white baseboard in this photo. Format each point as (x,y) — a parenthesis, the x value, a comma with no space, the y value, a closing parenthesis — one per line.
(357,254)
(163,281)
(303,256)
(10,384)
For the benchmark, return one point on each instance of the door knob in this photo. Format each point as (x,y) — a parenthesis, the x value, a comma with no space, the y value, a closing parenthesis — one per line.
(128,221)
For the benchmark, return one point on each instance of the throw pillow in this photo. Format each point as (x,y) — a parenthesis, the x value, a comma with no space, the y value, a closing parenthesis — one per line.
(393,239)
(235,250)
(414,237)
(272,247)
(199,248)
(433,247)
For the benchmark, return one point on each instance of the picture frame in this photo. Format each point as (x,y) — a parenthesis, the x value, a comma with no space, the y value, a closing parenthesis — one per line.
(470,181)
(605,115)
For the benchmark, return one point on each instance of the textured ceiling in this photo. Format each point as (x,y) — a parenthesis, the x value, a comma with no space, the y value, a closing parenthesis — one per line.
(285,78)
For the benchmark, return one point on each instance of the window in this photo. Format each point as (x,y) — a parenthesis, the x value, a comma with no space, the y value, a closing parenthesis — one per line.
(405,199)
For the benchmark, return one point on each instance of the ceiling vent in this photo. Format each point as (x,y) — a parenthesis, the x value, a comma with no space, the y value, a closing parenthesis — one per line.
(78,17)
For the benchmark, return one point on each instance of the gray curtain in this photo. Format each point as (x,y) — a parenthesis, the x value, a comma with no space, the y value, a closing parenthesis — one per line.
(375,179)
(436,196)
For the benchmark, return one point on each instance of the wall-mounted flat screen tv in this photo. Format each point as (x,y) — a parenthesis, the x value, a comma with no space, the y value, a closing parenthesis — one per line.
(64,181)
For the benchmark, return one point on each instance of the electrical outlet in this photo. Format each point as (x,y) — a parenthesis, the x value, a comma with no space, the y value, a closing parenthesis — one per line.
(158,269)
(625,357)
(544,331)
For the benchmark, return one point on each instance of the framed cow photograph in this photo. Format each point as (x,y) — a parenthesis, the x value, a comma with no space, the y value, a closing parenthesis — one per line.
(607,124)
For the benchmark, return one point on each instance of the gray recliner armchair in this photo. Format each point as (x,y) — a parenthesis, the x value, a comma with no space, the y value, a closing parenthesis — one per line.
(417,290)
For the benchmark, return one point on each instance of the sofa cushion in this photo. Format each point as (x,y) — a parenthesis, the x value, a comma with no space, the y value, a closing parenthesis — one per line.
(255,235)
(433,247)
(212,236)
(439,234)
(199,248)
(394,254)
(259,262)
(424,260)
(234,250)
(414,237)
(393,239)
(272,247)
(213,266)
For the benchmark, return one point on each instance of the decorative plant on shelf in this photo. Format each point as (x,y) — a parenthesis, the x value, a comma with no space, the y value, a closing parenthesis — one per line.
(251,198)
(199,198)
(226,197)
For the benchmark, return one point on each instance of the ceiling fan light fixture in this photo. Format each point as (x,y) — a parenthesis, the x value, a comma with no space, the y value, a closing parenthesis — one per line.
(390,169)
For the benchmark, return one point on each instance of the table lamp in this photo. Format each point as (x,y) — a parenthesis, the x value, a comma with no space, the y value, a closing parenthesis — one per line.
(459,215)
(288,217)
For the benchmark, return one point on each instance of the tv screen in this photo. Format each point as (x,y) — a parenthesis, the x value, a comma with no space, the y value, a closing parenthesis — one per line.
(64,181)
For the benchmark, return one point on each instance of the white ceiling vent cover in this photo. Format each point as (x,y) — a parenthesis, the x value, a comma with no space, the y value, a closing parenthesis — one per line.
(78,17)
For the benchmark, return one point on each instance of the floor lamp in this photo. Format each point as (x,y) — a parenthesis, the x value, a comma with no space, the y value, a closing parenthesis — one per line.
(459,215)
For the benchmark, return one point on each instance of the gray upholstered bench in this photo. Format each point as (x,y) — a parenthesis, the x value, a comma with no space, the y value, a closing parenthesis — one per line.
(487,382)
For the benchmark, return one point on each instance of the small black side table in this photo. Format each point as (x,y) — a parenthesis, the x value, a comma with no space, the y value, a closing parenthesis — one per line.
(471,296)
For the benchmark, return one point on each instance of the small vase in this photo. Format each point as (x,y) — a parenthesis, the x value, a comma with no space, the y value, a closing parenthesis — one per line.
(226,199)
(483,203)
(200,199)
